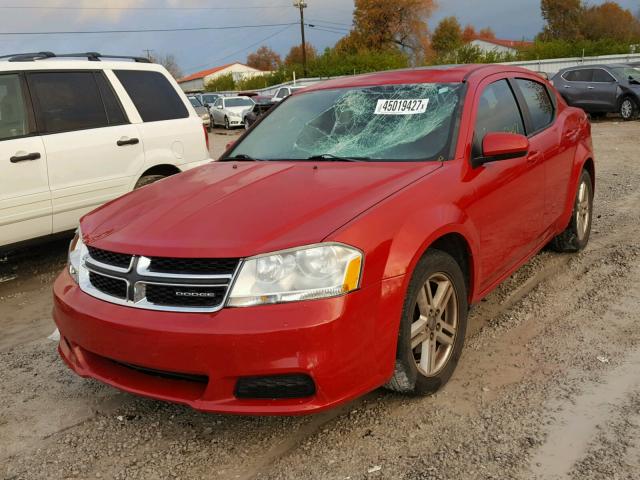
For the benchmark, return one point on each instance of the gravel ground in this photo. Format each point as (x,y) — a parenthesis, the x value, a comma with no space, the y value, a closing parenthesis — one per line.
(548,386)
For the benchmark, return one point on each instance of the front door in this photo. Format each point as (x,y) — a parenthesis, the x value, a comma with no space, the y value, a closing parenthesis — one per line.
(510,193)
(25,201)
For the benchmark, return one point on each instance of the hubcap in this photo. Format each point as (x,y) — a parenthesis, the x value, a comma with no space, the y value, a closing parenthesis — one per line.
(627,108)
(583,208)
(435,323)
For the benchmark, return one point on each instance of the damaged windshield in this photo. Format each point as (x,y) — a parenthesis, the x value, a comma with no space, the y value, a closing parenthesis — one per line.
(383,122)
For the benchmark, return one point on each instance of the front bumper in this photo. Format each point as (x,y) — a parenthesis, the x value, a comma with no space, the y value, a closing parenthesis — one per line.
(345,344)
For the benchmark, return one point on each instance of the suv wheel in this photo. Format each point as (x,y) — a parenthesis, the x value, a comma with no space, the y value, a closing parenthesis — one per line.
(246,124)
(432,327)
(628,109)
(148,180)
(226,123)
(576,236)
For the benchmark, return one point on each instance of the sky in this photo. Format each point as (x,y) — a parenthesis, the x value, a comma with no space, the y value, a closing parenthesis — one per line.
(200,49)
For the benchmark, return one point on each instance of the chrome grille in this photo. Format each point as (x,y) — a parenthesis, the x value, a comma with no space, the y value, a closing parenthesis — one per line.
(157,283)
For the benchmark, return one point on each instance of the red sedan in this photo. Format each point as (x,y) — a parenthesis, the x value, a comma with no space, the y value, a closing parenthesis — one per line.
(335,248)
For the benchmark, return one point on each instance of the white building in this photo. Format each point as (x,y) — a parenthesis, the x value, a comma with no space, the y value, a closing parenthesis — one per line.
(497,45)
(197,81)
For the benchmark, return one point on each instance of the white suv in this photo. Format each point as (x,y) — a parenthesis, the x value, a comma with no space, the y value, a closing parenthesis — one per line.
(76,133)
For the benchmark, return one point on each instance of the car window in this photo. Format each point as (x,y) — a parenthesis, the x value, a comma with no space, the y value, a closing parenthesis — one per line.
(115,113)
(498,111)
(67,101)
(153,96)
(538,102)
(281,93)
(600,75)
(411,122)
(582,75)
(14,119)
(238,102)
(208,99)
(195,102)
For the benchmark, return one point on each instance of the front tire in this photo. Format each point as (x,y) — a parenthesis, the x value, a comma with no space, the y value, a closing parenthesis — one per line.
(576,236)
(628,109)
(226,123)
(432,327)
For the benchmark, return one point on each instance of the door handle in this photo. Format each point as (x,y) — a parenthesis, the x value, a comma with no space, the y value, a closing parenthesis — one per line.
(25,158)
(534,157)
(567,86)
(590,88)
(127,141)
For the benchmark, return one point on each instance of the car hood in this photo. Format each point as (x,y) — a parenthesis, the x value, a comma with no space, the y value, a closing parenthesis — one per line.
(238,209)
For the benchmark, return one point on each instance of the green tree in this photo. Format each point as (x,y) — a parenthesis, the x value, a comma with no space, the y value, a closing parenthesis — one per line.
(447,37)
(221,83)
(562,18)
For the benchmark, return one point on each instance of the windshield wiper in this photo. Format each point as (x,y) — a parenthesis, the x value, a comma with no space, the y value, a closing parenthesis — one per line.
(336,158)
(241,158)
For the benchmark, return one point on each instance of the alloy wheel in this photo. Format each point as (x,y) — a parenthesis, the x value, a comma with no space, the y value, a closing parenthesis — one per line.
(583,210)
(626,110)
(433,331)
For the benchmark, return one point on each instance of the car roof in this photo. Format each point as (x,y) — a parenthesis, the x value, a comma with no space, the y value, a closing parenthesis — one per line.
(600,65)
(438,74)
(73,64)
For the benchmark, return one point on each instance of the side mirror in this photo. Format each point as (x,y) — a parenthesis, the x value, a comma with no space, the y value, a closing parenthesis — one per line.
(207,105)
(498,146)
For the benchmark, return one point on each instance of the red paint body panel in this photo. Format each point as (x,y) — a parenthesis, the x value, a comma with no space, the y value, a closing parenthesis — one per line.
(505,212)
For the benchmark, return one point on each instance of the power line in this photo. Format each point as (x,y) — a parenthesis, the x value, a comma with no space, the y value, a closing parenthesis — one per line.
(241,50)
(151,30)
(47,7)
(319,20)
(320,29)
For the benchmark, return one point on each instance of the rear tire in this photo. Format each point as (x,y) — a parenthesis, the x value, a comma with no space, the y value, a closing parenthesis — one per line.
(148,180)
(576,236)
(432,327)
(628,109)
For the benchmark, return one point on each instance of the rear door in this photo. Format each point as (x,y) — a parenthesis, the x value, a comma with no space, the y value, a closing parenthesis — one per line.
(510,193)
(574,88)
(602,91)
(93,153)
(25,200)
(171,134)
(553,139)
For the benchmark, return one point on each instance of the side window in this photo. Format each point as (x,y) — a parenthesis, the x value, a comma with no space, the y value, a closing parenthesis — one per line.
(152,94)
(218,103)
(583,75)
(600,75)
(538,102)
(67,101)
(497,112)
(14,117)
(281,93)
(115,113)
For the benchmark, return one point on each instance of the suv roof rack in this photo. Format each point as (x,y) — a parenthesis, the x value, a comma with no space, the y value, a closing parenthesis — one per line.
(91,56)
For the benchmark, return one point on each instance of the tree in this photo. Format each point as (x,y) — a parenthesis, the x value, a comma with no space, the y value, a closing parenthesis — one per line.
(469,34)
(609,20)
(487,32)
(562,19)
(221,83)
(447,37)
(169,62)
(381,25)
(264,59)
(294,57)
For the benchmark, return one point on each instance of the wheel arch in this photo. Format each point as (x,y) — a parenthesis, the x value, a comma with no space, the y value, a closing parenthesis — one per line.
(162,169)
(457,246)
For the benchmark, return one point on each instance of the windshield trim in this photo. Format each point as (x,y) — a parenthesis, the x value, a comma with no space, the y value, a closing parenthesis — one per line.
(450,148)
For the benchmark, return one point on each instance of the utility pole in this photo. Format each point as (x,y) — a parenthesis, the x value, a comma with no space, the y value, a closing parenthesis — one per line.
(301,4)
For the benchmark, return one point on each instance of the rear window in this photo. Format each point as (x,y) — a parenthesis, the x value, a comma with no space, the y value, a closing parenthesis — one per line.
(584,75)
(153,96)
(67,101)
(537,98)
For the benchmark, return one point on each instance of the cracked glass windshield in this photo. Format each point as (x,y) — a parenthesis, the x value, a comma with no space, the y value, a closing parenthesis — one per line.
(384,123)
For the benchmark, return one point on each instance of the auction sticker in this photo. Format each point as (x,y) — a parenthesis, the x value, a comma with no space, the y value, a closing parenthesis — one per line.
(402,107)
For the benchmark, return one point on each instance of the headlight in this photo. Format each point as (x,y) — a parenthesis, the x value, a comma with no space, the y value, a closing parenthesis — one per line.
(76,249)
(317,271)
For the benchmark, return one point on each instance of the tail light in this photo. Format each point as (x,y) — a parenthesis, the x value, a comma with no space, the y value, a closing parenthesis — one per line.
(206,136)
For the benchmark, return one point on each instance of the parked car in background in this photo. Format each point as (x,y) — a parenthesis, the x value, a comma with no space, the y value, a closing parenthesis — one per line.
(202,111)
(262,106)
(207,99)
(601,89)
(284,92)
(334,248)
(75,134)
(230,111)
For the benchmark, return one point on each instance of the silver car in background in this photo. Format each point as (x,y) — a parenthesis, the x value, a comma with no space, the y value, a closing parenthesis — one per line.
(202,111)
(230,111)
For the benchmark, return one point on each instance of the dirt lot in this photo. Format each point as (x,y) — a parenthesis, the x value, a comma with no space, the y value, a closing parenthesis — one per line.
(548,386)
